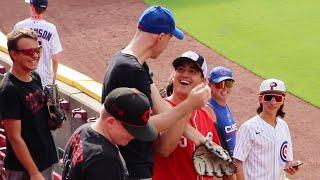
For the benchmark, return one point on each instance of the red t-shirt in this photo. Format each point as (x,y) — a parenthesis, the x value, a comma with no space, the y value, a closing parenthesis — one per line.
(178,165)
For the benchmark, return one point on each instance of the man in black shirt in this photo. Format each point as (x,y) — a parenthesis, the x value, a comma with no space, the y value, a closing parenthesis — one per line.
(129,69)
(92,151)
(30,147)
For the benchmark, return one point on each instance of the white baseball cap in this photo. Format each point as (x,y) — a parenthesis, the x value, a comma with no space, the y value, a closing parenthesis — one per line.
(194,57)
(272,85)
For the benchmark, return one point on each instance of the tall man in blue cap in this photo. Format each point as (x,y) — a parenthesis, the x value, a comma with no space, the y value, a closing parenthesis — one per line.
(221,82)
(129,69)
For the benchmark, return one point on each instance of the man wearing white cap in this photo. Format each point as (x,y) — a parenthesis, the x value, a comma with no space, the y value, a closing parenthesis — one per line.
(264,148)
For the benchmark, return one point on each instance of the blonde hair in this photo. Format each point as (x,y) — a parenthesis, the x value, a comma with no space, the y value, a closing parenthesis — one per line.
(15,35)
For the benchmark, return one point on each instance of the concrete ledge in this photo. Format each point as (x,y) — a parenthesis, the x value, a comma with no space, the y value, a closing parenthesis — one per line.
(3,43)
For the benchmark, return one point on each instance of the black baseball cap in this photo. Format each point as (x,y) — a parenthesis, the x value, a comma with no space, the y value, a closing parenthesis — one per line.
(38,3)
(133,109)
(194,58)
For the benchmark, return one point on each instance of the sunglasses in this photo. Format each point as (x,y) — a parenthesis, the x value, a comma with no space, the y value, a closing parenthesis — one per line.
(226,83)
(31,51)
(269,97)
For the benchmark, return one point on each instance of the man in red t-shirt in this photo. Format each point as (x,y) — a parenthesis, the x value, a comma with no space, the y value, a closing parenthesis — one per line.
(175,161)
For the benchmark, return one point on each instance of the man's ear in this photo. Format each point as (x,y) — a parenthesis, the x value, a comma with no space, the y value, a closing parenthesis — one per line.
(12,54)
(160,36)
(109,121)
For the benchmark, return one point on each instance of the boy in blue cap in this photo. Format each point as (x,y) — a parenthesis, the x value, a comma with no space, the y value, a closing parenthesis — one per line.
(221,81)
(129,69)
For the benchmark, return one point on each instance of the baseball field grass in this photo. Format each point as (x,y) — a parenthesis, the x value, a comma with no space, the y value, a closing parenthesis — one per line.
(270,38)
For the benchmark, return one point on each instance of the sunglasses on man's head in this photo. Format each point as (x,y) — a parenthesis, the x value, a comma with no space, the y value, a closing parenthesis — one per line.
(269,97)
(226,83)
(31,51)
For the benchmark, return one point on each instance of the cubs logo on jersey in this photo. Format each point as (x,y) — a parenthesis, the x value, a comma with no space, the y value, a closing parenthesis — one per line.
(284,151)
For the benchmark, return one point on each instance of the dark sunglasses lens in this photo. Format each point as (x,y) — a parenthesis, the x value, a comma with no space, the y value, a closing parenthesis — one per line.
(229,83)
(219,85)
(278,98)
(31,51)
(269,97)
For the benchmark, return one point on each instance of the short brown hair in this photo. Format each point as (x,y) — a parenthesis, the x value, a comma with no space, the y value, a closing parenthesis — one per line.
(39,10)
(15,35)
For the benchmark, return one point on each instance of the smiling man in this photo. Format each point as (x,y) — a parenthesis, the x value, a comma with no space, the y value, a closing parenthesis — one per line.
(190,71)
(30,147)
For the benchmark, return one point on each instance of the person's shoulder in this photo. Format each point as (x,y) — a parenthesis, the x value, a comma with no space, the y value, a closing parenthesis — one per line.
(7,83)
(251,122)
(49,24)
(21,23)
(126,61)
(282,122)
(100,151)
(207,112)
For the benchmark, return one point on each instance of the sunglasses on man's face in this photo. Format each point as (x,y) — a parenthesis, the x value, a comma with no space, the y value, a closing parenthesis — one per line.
(268,97)
(226,83)
(31,51)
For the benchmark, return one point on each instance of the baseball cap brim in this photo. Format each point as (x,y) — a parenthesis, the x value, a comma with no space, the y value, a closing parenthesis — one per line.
(273,92)
(219,79)
(177,62)
(146,133)
(178,33)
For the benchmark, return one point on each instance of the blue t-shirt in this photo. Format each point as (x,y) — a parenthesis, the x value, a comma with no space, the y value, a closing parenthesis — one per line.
(226,125)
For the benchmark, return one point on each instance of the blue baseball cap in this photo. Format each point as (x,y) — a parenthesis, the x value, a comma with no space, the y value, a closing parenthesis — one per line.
(38,3)
(157,20)
(219,74)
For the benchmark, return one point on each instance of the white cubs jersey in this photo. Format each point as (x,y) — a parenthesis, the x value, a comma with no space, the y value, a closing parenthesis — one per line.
(263,149)
(48,38)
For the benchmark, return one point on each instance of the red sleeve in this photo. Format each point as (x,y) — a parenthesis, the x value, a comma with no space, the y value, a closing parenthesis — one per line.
(213,127)
(215,137)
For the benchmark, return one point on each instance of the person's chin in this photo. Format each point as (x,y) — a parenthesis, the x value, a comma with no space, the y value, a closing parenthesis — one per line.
(125,142)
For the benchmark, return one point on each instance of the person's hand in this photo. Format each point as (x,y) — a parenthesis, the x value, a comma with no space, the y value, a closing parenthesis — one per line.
(36,176)
(199,96)
(292,167)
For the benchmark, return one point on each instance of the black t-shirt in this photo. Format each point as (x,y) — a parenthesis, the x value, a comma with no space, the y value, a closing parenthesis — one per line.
(89,155)
(25,101)
(125,71)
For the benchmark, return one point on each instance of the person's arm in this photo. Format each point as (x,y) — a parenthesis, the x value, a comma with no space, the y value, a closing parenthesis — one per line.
(239,173)
(174,128)
(56,48)
(291,168)
(13,130)
(168,140)
(165,117)
(55,64)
